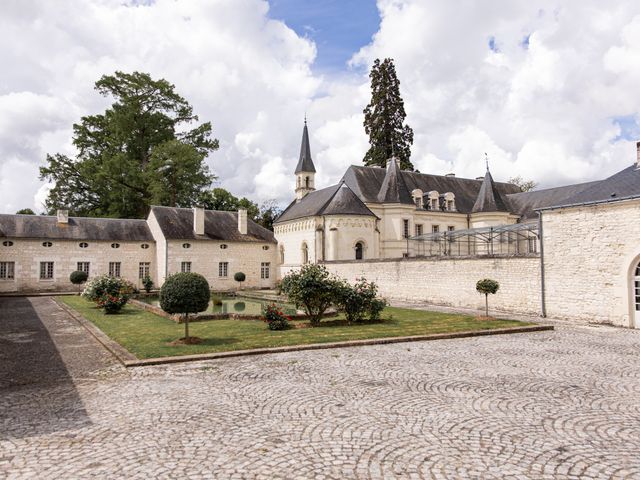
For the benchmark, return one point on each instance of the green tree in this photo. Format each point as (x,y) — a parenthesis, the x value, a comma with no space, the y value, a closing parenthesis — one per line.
(176,174)
(185,293)
(221,199)
(25,211)
(525,185)
(384,119)
(487,286)
(269,211)
(113,172)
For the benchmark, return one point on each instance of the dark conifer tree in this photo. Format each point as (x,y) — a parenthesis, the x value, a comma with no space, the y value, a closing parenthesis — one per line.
(384,119)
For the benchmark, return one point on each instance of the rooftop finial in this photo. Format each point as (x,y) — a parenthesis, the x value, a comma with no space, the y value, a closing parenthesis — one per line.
(486,160)
(305,119)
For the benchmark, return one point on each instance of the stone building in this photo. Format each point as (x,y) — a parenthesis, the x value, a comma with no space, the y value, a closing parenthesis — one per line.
(38,253)
(567,252)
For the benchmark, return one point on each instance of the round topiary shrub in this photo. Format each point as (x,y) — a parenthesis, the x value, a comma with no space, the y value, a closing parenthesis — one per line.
(78,277)
(185,293)
(487,286)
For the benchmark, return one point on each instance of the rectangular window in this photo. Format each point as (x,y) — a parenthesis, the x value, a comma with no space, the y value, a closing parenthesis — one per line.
(114,269)
(265,270)
(434,204)
(450,205)
(418,201)
(532,244)
(435,228)
(185,267)
(83,267)
(418,229)
(451,228)
(223,269)
(144,270)
(405,230)
(7,270)
(46,270)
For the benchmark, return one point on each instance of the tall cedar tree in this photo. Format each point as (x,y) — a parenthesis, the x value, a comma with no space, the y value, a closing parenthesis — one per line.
(384,118)
(139,152)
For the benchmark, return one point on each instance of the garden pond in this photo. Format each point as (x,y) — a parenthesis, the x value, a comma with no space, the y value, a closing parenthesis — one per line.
(232,305)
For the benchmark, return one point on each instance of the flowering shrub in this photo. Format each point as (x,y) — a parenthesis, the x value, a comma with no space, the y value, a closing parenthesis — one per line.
(359,300)
(275,318)
(110,293)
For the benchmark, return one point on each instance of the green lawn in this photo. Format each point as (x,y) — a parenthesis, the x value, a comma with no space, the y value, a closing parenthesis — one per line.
(147,335)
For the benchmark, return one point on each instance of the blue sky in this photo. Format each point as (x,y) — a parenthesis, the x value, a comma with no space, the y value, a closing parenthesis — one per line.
(338,27)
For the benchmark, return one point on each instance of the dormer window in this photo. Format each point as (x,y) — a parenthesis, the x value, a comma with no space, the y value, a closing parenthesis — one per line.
(417,198)
(449,202)
(434,200)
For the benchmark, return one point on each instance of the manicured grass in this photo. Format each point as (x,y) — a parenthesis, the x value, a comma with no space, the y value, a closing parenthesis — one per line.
(147,335)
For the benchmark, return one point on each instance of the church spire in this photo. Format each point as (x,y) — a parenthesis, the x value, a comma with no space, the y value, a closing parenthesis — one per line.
(305,170)
(305,164)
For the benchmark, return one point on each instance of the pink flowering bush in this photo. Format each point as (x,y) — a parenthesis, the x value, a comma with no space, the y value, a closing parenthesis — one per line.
(274,317)
(360,300)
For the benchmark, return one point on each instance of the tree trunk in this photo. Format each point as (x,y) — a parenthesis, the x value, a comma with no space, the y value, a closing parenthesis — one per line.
(486,304)
(186,327)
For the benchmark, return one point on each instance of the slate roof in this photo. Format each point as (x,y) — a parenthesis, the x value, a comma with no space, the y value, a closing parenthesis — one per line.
(393,188)
(177,224)
(489,198)
(78,228)
(305,164)
(366,183)
(625,183)
(335,200)
(526,203)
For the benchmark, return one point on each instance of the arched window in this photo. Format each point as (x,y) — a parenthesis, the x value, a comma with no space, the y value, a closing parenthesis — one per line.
(359,251)
(305,254)
(636,295)
(281,254)
(306,182)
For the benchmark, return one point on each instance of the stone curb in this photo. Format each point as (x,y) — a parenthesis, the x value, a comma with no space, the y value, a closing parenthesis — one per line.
(122,354)
(322,346)
(129,360)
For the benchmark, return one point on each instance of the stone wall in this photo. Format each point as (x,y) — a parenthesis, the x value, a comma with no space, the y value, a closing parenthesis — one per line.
(28,253)
(451,281)
(589,255)
(205,256)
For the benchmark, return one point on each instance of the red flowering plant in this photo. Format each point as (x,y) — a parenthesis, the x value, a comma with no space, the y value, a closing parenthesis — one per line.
(274,317)
(111,304)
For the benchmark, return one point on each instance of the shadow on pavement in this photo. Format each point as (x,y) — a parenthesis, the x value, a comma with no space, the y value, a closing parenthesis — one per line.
(37,393)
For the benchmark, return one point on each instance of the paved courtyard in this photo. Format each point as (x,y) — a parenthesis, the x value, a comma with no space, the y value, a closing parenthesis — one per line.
(563,404)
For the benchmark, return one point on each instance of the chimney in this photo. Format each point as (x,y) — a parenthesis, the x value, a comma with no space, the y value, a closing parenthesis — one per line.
(198,220)
(479,178)
(638,154)
(450,175)
(242,221)
(63,216)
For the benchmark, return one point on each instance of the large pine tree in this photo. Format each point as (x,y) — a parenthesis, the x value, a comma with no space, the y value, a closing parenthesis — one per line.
(384,119)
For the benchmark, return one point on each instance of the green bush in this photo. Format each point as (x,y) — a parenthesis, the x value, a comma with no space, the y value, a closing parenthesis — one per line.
(487,286)
(78,277)
(109,293)
(185,293)
(311,289)
(147,283)
(359,300)
(275,318)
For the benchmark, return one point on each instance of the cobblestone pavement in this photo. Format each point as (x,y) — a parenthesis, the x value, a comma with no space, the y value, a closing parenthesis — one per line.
(563,404)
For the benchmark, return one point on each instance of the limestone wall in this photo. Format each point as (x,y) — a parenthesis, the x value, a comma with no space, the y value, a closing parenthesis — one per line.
(589,254)
(205,256)
(451,281)
(28,253)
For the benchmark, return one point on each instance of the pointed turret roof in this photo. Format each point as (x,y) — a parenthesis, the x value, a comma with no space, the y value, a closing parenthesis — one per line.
(489,198)
(305,164)
(394,189)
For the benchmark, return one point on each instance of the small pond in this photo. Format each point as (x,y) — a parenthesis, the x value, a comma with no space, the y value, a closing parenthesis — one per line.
(237,305)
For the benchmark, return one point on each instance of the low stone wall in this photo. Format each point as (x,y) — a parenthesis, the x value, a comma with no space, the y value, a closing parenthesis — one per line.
(452,281)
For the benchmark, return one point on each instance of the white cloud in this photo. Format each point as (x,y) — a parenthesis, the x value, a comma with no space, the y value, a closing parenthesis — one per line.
(542,104)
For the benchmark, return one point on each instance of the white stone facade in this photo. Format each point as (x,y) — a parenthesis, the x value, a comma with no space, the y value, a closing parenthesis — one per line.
(26,255)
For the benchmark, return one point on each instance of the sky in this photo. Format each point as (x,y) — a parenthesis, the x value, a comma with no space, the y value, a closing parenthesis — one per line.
(547,88)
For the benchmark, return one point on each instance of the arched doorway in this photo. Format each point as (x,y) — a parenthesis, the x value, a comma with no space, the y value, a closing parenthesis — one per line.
(305,254)
(635,299)
(359,251)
